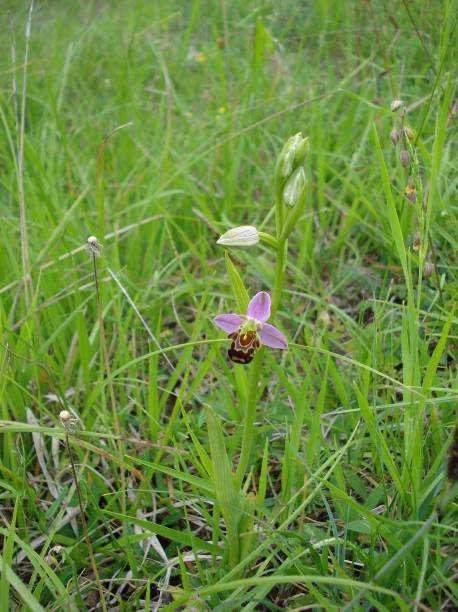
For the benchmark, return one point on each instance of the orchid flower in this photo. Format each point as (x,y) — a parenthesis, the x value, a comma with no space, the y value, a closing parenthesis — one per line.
(249,331)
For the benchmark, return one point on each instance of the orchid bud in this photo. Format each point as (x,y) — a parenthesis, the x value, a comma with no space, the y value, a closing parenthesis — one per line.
(405,158)
(416,242)
(396,105)
(245,235)
(395,136)
(295,187)
(301,152)
(292,155)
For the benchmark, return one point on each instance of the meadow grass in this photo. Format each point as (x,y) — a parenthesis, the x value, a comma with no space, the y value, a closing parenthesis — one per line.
(155,127)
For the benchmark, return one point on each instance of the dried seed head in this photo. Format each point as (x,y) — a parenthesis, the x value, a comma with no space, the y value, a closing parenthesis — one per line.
(395,136)
(405,158)
(416,242)
(396,105)
(428,269)
(94,245)
(68,421)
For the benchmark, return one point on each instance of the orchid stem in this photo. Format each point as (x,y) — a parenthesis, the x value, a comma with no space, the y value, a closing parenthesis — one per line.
(248,431)
(279,276)
(255,371)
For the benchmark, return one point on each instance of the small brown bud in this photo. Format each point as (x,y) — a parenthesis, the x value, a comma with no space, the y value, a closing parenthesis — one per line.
(395,136)
(416,242)
(405,158)
(410,192)
(429,269)
(408,132)
(396,105)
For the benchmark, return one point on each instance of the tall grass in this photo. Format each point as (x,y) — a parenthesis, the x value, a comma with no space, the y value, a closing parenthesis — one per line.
(336,496)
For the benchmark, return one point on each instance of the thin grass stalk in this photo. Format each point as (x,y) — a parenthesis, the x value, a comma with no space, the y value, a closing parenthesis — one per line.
(99,176)
(28,290)
(107,369)
(84,524)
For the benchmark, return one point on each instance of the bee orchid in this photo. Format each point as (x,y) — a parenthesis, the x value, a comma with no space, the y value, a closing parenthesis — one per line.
(249,331)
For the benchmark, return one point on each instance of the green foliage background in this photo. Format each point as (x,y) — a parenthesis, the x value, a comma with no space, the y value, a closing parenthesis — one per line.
(155,126)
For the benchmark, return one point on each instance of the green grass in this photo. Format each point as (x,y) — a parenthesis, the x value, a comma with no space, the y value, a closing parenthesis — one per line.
(155,126)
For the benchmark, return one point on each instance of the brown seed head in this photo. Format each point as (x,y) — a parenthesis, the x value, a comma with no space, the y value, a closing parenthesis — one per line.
(405,158)
(410,192)
(94,245)
(429,269)
(408,132)
(68,421)
(396,105)
(395,136)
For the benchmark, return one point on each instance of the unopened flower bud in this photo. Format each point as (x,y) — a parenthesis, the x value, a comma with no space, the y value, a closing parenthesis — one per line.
(94,245)
(292,155)
(301,152)
(405,158)
(295,187)
(396,105)
(245,235)
(395,136)
(428,269)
